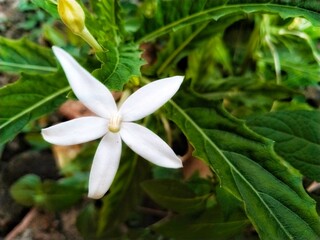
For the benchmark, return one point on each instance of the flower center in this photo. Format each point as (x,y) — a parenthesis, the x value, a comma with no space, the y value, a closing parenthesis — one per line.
(114,123)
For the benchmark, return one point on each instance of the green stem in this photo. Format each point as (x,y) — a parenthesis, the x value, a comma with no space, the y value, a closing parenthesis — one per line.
(87,36)
(272,48)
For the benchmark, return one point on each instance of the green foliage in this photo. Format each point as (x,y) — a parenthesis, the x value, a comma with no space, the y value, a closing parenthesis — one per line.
(209,225)
(214,10)
(120,65)
(21,100)
(24,103)
(107,21)
(160,13)
(298,69)
(50,195)
(242,59)
(296,135)
(25,56)
(47,5)
(175,196)
(248,168)
(87,222)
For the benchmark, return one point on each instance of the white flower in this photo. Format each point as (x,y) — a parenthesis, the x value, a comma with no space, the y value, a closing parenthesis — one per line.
(113,124)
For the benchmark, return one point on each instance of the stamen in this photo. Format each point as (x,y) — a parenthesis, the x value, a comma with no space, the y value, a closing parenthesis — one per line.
(114,123)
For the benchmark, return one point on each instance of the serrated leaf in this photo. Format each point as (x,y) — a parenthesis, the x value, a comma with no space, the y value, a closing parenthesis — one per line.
(25,56)
(174,195)
(106,23)
(214,10)
(29,98)
(119,65)
(273,196)
(296,135)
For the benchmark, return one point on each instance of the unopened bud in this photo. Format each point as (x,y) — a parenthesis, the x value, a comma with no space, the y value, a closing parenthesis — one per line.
(72,15)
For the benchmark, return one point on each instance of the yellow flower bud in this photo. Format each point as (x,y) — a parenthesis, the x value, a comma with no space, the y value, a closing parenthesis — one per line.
(72,15)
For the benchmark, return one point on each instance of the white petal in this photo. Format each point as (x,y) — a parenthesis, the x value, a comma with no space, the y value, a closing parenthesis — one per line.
(149,98)
(76,131)
(149,146)
(92,93)
(105,165)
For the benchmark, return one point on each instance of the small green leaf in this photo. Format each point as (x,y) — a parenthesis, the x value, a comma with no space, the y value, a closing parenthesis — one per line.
(25,190)
(119,65)
(50,195)
(174,195)
(64,193)
(296,135)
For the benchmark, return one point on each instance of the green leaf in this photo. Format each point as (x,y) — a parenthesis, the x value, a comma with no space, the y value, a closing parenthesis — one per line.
(25,189)
(209,225)
(25,56)
(106,23)
(299,67)
(193,37)
(87,221)
(160,13)
(119,65)
(174,195)
(214,10)
(47,5)
(64,193)
(50,195)
(29,98)
(273,196)
(227,202)
(296,135)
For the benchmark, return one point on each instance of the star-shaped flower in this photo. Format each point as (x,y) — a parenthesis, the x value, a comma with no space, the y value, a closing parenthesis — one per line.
(113,124)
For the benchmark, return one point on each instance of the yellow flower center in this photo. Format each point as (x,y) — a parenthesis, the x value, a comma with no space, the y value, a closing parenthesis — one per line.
(115,123)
